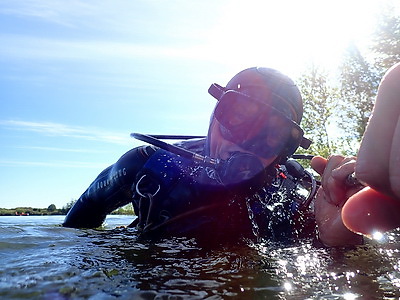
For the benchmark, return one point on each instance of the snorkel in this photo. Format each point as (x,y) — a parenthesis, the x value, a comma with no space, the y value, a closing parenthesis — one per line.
(238,171)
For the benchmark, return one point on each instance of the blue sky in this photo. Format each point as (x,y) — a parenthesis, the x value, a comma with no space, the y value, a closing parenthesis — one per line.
(77,77)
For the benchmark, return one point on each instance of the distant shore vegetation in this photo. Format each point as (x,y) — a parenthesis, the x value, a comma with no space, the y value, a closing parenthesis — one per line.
(52,210)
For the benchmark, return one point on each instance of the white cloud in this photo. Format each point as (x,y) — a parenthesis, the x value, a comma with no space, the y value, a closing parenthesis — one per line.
(63,130)
(54,164)
(55,149)
(117,16)
(48,49)
(102,29)
(55,11)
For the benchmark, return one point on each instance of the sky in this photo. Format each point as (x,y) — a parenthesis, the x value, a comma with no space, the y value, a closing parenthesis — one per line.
(77,77)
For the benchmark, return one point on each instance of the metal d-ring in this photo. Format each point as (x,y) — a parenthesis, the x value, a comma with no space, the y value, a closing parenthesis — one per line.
(143,195)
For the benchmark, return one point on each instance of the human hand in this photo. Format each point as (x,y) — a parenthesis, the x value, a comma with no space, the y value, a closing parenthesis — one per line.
(330,199)
(378,164)
(378,160)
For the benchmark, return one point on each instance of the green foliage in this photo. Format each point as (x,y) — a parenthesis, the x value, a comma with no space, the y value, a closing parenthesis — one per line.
(52,210)
(51,207)
(319,100)
(336,111)
(125,210)
(345,103)
(68,206)
(28,211)
(386,44)
(359,85)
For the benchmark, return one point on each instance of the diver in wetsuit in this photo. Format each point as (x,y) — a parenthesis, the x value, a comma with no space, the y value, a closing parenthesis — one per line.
(245,185)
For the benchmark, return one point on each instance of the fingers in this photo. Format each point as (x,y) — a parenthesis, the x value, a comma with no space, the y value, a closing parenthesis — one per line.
(374,157)
(378,208)
(318,163)
(345,168)
(330,199)
(394,166)
(378,164)
(332,231)
(334,177)
(369,211)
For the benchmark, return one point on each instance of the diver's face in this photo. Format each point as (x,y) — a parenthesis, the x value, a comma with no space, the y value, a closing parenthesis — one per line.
(245,124)
(222,148)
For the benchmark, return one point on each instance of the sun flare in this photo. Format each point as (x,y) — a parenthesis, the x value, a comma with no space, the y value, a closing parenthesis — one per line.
(282,34)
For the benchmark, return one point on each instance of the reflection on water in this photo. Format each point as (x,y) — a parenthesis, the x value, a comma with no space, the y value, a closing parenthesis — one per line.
(41,260)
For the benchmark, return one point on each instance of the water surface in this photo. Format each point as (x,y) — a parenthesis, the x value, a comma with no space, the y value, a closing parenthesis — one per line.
(41,260)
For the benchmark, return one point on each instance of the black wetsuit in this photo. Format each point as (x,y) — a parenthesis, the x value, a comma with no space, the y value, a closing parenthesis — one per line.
(175,196)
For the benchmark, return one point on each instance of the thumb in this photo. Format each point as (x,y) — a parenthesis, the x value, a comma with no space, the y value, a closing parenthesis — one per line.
(318,163)
(369,211)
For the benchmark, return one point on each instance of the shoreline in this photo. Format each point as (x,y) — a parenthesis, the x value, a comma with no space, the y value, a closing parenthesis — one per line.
(30,211)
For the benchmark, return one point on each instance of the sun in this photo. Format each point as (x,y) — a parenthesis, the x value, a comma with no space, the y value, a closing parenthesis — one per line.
(290,34)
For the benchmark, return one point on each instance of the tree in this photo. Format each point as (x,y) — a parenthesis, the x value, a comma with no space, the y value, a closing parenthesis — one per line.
(359,83)
(51,208)
(386,41)
(68,206)
(319,100)
(347,104)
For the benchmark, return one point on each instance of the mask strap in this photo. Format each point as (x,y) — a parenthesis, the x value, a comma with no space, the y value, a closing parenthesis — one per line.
(216,91)
(305,143)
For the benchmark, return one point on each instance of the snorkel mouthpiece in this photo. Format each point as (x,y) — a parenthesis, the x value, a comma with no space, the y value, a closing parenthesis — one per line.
(206,160)
(242,172)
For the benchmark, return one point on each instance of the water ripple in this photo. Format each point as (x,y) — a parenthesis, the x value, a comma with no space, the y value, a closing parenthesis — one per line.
(42,260)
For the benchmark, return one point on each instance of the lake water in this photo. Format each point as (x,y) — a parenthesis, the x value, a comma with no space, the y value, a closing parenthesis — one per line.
(39,259)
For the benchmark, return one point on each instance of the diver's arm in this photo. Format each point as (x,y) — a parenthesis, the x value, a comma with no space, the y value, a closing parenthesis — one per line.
(110,190)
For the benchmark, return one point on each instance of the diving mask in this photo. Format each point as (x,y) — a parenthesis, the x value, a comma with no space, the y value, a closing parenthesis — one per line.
(256,126)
